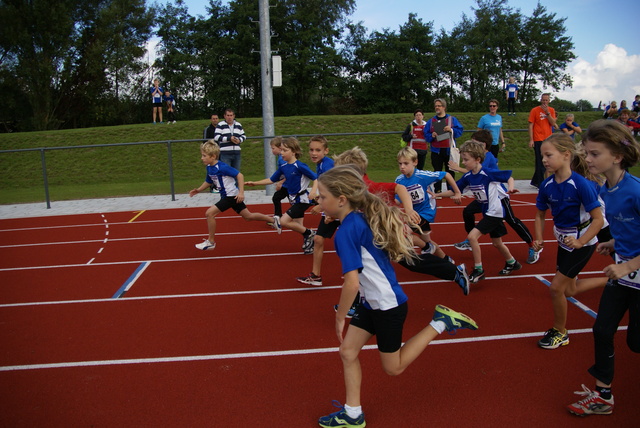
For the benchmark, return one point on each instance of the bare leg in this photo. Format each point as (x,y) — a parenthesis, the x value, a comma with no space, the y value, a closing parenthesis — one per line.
(211,214)
(395,363)
(353,342)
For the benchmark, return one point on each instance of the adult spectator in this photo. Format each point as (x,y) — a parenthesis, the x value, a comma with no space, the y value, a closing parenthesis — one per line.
(229,135)
(492,122)
(210,131)
(542,120)
(570,127)
(413,135)
(610,111)
(511,92)
(438,133)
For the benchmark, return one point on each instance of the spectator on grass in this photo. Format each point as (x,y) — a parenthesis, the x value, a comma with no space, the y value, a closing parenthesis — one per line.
(440,132)
(413,135)
(635,106)
(492,122)
(610,111)
(542,120)
(229,135)
(156,92)
(511,93)
(570,127)
(210,131)
(170,101)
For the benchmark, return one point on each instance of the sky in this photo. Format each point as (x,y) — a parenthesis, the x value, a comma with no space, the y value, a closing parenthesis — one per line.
(604,33)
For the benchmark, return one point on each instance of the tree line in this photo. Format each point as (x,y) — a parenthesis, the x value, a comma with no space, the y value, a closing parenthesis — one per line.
(78,63)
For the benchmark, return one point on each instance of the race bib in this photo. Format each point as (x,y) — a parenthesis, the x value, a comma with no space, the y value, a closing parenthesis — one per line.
(417,193)
(631,280)
(479,193)
(565,232)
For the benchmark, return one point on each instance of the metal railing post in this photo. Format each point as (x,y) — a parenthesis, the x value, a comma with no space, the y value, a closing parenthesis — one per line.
(173,187)
(44,177)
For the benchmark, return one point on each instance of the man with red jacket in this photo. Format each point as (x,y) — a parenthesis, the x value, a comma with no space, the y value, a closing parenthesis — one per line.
(438,132)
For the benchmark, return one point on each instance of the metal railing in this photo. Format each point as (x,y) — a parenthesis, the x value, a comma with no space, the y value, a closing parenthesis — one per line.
(169,143)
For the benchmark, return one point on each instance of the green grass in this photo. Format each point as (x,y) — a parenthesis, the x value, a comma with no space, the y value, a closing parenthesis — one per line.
(143,169)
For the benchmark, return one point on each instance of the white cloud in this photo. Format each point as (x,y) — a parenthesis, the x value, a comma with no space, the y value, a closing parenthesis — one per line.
(614,76)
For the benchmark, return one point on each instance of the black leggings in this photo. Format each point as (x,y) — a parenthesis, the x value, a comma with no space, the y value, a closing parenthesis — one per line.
(615,301)
(439,161)
(278,196)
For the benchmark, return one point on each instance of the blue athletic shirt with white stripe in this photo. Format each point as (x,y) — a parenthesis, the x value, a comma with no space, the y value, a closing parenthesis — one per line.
(417,186)
(379,288)
(486,186)
(222,176)
(570,201)
(298,177)
(623,213)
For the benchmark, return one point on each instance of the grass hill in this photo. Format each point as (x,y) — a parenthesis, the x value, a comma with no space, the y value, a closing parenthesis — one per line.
(143,169)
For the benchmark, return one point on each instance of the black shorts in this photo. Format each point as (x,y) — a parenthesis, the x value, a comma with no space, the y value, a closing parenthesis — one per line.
(157,105)
(230,202)
(297,210)
(494,226)
(424,225)
(570,263)
(386,325)
(326,230)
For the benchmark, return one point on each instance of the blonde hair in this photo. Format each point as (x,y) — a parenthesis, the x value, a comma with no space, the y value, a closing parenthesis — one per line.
(320,139)
(276,142)
(564,143)
(355,157)
(386,222)
(408,153)
(617,138)
(210,148)
(475,148)
(292,144)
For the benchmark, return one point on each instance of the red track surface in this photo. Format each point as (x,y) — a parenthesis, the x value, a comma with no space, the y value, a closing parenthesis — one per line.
(228,338)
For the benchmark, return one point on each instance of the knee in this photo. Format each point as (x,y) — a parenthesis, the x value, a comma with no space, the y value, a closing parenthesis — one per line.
(347,355)
(393,371)
(318,241)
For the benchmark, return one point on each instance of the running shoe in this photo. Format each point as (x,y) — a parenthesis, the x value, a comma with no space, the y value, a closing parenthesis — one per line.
(276,224)
(508,268)
(593,404)
(341,419)
(452,319)
(534,255)
(553,339)
(476,275)
(462,279)
(308,242)
(429,248)
(464,245)
(206,245)
(352,310)
(450,260)
(311,279)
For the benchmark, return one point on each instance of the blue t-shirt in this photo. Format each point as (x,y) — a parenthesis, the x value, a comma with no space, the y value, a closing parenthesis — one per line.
(417,186)
(157,97)
(297,176)
(492,124)
(623,214)
(511,90)
(564,126)
(570,201)
(379,288)
(486,186)
(325,164)
(222,176)
(490,161)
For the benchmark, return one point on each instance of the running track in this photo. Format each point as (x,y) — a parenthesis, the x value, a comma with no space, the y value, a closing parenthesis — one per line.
(116,320)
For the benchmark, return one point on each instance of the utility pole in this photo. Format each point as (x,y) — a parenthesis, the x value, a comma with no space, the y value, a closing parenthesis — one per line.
(268,127)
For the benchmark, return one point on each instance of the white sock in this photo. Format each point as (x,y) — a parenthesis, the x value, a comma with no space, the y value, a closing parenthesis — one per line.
(353,412)
(438,326)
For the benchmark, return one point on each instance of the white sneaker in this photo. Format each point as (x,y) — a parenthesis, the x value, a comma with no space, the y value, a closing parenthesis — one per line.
(276,224)
(206,245)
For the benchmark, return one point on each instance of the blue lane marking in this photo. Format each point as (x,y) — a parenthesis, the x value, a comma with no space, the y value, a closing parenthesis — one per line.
(132,279)
(579,304)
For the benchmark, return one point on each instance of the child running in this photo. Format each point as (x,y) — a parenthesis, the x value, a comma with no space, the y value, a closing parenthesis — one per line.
(577,219)
(419,184)
(318,151)
(486,186)
(611,150)
(223,177)
(366,266)
(469,212)
(298,176)
(281,189)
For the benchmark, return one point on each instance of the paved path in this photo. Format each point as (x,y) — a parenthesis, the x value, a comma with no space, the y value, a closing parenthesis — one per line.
(138,203)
